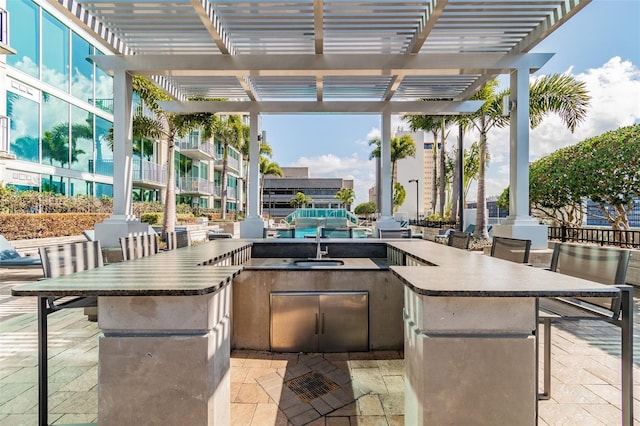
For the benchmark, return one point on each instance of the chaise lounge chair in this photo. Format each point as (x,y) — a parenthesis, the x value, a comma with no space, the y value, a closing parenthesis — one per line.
(10,258)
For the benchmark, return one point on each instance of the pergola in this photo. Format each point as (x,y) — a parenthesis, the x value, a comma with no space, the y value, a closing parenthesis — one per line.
(320,56)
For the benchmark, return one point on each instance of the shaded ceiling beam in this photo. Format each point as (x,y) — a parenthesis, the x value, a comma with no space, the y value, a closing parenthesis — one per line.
(319,87)
(337,107)
(431,17)
(396,80)
(212,24)
(318,25)
(550,24)
(335,64)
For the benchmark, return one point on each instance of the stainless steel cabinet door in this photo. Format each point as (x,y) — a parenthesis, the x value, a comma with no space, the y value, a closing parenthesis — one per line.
(344,322)
(294,322)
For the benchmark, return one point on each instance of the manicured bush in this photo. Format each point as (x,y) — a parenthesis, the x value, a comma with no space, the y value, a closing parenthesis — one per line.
(23,226)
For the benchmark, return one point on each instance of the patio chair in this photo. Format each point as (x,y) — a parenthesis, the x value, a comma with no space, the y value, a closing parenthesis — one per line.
(10,258)
(395,233)
(171,240)
(513,249)
(61,260)
(606,266)
(137,246)
(459,240)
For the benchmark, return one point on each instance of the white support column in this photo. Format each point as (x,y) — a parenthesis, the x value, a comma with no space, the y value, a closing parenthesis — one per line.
(253,225)
(122,222)
(519,224)
(386,196)
(122,145)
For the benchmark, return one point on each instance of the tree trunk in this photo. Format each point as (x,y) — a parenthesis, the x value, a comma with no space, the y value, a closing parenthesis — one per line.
(434,176)
(223,184)
(169,219)
(443,173)
(455,190)
(481,230)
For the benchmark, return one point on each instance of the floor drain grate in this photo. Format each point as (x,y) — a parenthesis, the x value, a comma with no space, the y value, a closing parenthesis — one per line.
(311,385)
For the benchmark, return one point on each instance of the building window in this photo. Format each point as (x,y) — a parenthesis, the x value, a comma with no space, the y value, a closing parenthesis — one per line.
(55,131)
(55,52)
(25,22)
(55,184)
(81,140)
(104,89)
(81,68)
(104,151)
(23,117)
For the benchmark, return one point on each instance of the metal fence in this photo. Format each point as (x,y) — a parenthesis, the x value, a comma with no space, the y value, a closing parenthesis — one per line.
(441,224)
(601,236)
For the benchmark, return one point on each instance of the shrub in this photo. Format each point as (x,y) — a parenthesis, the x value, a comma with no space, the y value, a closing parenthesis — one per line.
(24,226)
(152,218)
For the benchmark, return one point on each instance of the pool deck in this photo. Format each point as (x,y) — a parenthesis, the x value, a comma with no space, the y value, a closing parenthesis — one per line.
(367,387)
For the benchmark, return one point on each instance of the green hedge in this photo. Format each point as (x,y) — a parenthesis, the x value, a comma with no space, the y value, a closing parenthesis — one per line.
(23,226)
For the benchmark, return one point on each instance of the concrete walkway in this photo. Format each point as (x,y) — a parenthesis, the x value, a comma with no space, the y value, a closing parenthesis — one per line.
(293,389)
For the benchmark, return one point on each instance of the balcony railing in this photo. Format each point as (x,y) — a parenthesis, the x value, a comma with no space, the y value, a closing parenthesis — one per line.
(195,185)
(233,163)
(232,192)
(4,134)
(601,236)
(147,171)
(193,142)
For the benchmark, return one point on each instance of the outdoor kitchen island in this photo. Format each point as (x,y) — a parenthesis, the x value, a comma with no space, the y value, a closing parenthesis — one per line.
(470,333)
(469,325)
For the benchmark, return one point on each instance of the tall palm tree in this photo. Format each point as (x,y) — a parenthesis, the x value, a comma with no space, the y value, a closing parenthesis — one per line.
(172,126)
(230,131)
(264,151)
(401,147)
(561,94)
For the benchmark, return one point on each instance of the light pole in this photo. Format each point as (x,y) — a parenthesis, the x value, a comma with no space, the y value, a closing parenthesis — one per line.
(417,198)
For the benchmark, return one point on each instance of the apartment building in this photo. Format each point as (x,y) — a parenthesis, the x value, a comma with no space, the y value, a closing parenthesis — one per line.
(56,112)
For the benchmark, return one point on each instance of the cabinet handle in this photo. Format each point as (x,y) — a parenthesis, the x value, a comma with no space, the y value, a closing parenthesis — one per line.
(323,323)
(316,323)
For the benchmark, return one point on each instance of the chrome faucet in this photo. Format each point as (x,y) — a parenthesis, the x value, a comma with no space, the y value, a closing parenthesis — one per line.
(319,252)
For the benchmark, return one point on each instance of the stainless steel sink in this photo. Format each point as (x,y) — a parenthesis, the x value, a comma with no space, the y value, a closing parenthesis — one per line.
(317,262)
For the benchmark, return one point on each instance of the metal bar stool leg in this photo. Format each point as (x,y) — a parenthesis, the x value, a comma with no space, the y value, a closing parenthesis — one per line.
(627,354)
(43,385)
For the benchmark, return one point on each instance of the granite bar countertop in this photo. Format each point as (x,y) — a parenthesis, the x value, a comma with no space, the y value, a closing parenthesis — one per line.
(461,273)
(171,273)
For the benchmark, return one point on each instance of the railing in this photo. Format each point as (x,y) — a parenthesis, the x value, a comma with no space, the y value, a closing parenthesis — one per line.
(321,213)
(193,142)
(201,186)
(232,192)
(4,133)
(601,236)
(144,170)
(441,224)
(233,163)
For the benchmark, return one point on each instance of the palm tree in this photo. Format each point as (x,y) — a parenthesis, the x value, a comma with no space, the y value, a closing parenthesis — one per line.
(267,168)
(265,151)
(561,94)
(300,200)
(168,126)
(230,132)
(401,147)
(346,197)
(437,125)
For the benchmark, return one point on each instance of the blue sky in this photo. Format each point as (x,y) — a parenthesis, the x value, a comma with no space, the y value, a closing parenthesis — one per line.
(600,46)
